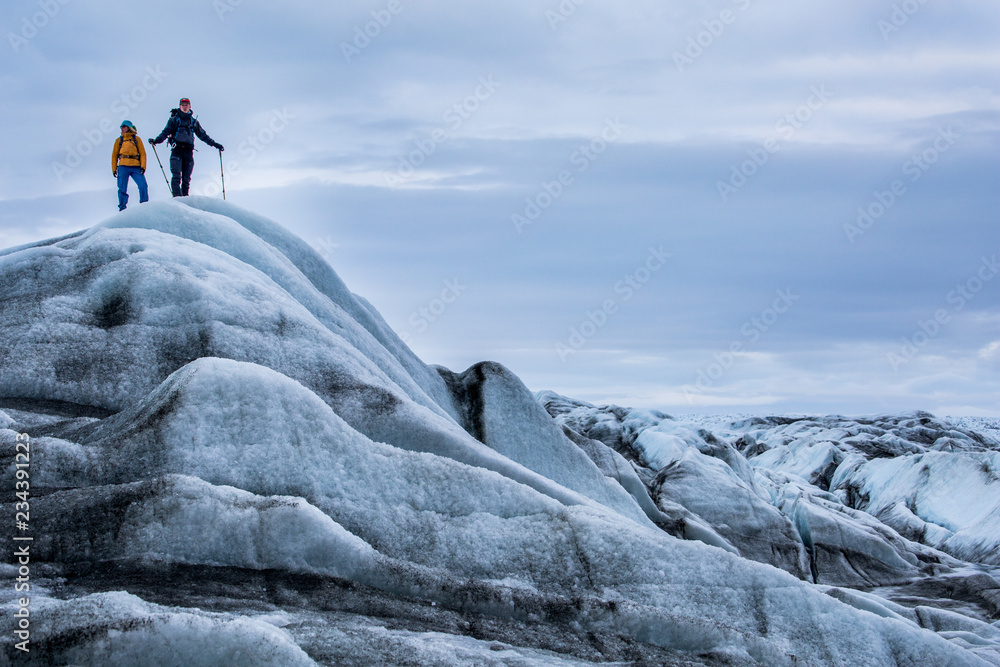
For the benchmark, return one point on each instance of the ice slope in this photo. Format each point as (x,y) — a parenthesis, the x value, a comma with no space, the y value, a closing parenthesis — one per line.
(918,496)
(101,318)
(529,554)
(932,481)
(225,440)
(121,629)
(900,470)
(851,488)
(678,463)
(499,411)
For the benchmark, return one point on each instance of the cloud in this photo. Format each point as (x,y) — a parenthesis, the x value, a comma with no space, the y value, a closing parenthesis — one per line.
(990,355)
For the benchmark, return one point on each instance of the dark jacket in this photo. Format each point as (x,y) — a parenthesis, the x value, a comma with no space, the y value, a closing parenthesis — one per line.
(181,128)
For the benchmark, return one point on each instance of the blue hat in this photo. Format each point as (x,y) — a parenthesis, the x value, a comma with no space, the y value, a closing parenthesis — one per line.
(127,123)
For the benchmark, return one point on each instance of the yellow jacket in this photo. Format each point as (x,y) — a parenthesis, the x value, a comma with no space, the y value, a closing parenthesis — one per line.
(128,152)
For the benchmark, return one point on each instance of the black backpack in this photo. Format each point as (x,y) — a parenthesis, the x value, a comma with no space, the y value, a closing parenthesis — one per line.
(182,124)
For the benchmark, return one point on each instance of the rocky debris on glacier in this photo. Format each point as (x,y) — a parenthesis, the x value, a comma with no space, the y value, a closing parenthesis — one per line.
(234,461)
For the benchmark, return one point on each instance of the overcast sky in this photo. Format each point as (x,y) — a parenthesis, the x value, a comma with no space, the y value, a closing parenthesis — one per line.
(723,205)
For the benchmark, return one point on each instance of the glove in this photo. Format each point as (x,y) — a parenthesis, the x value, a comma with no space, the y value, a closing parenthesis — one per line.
(114,172)
(220,147)
(142,171)
(151,142)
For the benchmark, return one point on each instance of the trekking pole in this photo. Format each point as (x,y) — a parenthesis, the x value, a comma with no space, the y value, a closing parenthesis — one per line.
(223,173)
(161,167)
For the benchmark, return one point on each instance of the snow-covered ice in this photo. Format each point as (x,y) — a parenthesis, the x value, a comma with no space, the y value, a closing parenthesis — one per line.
(236,461)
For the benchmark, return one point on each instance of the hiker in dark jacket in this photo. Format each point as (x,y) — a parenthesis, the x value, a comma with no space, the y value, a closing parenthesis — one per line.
(128,160)
(181,129)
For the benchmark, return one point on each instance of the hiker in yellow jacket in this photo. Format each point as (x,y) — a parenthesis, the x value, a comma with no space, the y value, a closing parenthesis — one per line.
(128,159)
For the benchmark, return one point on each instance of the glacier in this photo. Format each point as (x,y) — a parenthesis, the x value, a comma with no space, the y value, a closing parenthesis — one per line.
(234,460)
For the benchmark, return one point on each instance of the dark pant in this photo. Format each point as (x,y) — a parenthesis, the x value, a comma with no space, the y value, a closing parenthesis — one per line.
(124,173)
(181,166)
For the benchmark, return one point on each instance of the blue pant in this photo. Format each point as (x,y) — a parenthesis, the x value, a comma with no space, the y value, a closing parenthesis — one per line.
(140,180)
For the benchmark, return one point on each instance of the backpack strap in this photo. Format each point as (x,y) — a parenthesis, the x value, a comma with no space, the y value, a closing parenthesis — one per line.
(121,142)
